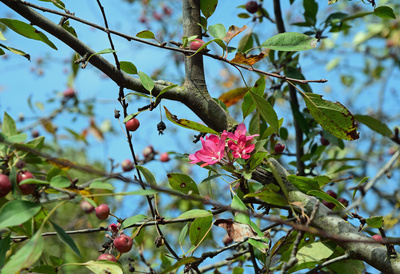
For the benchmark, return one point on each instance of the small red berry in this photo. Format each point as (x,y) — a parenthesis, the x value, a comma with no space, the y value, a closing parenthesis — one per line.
(157,16)
(324,141)
(123,243)
(127,165)
(164,157)
(147,151)
(35,133)
(28,188)
(167,10)
(5,185)
(329,205)
(86,207)
(69,93)
(343,201)
(133,124)
(252,6)
(332,193)
(377,237)
(196,44)
(279,148)
(102,211)
(107,257)
(113,227)
(227,240)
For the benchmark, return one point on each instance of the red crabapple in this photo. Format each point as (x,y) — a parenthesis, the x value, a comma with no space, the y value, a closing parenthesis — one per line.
(196,44)
(252,6)
(279,148)
(86,207)
(102,211)
(69,93)
(164,157)
(127,165)
(28,188)
(123,243)
(377,237)
(107,257)
(133,124)
(5,185)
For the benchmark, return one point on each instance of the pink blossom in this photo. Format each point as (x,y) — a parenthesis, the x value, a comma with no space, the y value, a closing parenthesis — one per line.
(240,131)
(212,152)
(241,148)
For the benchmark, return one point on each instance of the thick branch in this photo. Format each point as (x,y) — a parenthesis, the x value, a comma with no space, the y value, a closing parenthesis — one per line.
(120,78)
(214,116)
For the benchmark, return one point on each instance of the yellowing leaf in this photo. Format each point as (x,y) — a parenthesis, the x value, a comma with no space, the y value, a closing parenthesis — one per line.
(249,60)
(233,96)
(232,32)
(188,124)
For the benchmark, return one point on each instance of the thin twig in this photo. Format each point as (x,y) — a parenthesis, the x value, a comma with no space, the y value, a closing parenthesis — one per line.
(184,51)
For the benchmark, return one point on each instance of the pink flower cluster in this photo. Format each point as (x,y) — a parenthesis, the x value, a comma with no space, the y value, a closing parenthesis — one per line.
(213,149)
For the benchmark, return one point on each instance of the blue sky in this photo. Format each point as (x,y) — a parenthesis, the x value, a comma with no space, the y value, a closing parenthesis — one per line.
(19,78)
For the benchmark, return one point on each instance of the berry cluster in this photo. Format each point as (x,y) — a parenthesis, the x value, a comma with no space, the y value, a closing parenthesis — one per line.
(118,240)
(25,189)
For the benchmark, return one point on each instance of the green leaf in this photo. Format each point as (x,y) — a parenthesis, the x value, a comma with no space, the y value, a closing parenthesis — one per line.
(146,81)
(4,247)
(348,267)
(145,34)
(330,2)
(290,41)
(66,239)
(199,228)
(2,36)
(384,12)
(16,51)
(208,7)
(59,4)
(266,110)
(374,124)
(248,104)
(325,196)
(217,31)
(103,266)
(27,31)
(375,221)
(46,269)
(257,158)
(16,212)
(101,185)
(195,213)
(26,256)
(333,117)
(33,181)
(165,90)
(104,51)
(304,184)
(314,252)
(128,67)
(147,175)
(9,128)
(188,124)
(178,264)
(182,183)
(269,196)
(60,181)
(183,233)
(238,270)
(18,138)
(310,11)
(240,217)
(133,220)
